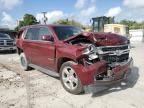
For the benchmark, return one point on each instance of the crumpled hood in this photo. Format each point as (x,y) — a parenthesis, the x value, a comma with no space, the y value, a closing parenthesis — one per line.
(107,39)
(104,39)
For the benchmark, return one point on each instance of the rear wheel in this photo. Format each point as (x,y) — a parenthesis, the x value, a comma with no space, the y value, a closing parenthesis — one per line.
(24,62)
(69,78)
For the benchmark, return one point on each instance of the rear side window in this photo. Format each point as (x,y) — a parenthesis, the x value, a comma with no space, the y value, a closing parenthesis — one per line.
(32,34)
(44,31)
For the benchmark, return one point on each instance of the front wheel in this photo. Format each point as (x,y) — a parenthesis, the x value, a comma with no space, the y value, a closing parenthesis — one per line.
(69,78)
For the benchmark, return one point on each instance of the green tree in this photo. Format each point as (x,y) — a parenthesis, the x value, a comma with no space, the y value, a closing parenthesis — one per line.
(28,19)
(69,22)
(132,24)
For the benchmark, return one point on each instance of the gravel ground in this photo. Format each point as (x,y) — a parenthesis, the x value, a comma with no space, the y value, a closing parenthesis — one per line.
(33,89)
(12,90)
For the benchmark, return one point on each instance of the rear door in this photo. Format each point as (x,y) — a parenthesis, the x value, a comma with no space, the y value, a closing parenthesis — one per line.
(30,44)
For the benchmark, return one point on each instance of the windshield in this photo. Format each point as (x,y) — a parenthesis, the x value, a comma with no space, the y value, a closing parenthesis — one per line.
(4,36)
(67,31)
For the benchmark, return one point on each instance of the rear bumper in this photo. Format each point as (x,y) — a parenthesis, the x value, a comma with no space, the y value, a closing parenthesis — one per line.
(87,74)
(7,48)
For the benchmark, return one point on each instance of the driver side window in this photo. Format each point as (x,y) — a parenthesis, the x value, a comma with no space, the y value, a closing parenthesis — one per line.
(44,31)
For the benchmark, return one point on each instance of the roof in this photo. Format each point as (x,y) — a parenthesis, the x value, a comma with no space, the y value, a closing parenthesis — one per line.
(49,25)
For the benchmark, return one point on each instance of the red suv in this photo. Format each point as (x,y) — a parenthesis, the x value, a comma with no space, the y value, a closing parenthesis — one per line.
(81,59)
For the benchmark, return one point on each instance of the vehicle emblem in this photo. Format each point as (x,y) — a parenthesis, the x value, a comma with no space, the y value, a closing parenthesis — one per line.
(118,52)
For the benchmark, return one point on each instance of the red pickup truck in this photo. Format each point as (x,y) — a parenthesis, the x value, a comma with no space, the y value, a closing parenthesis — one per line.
(81,59)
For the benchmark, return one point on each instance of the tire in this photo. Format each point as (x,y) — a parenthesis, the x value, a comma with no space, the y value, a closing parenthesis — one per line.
(69,78)
(24,62)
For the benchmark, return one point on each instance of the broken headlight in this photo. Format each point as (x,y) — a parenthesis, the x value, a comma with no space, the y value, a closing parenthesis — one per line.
(89,49)
(91,52)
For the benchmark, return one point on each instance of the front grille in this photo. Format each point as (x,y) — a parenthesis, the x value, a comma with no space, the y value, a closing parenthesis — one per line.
(114,53)
(6,43)
(10,43)
(114,48)
(115,58)
(1,43)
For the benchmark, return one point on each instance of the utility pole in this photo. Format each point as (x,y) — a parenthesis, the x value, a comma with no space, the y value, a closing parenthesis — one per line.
(143,34)
(45,18)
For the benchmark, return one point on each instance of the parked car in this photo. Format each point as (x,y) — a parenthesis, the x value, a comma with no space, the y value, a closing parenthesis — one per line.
(82,60)
(6,42)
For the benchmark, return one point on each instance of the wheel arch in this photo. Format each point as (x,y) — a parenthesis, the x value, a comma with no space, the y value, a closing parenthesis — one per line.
(61,61)
(19,51)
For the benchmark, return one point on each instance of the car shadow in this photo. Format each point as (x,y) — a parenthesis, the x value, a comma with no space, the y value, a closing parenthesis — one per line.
(129,82)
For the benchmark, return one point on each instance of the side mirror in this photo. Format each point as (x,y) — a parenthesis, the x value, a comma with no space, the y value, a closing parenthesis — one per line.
(47,38)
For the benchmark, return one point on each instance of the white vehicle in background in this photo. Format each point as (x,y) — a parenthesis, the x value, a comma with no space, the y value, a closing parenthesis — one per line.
(118,29)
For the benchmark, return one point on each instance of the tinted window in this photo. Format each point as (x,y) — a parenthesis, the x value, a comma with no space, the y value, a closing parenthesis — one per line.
(32,34)
(96,26)
(44,31)
(37,33)
(66,31)
(4,36)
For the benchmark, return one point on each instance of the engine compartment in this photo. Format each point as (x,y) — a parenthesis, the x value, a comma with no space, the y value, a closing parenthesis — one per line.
(93,52)
(90,54)
(80,41)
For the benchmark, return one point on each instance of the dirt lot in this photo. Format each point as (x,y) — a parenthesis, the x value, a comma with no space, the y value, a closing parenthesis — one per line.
(19,89)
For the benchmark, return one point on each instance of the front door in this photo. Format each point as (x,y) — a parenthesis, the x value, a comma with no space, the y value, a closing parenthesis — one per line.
(45,50)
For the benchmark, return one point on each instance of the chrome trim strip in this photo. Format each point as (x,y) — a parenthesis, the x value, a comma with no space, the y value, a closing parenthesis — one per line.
(5,42)
(120,53)
(113,46)
(107,52)
(116,52)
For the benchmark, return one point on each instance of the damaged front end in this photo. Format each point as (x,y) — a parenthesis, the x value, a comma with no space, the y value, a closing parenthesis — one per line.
(102,64)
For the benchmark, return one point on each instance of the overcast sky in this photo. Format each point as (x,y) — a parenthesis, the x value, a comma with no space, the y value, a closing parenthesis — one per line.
(81,10)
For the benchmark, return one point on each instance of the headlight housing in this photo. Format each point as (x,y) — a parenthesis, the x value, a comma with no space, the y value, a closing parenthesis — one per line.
(91,52)
(90,49)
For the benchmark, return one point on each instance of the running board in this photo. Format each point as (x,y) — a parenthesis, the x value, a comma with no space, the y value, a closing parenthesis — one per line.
(46,71)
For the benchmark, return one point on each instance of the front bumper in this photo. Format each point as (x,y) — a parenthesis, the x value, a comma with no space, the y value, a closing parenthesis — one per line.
(7,48)
(87,74)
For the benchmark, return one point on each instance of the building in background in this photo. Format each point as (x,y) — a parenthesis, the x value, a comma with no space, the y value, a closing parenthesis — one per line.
(6,30)
(137,35)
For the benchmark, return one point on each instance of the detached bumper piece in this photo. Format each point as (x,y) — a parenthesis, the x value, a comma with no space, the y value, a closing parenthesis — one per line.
(87,73)
(120,72)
